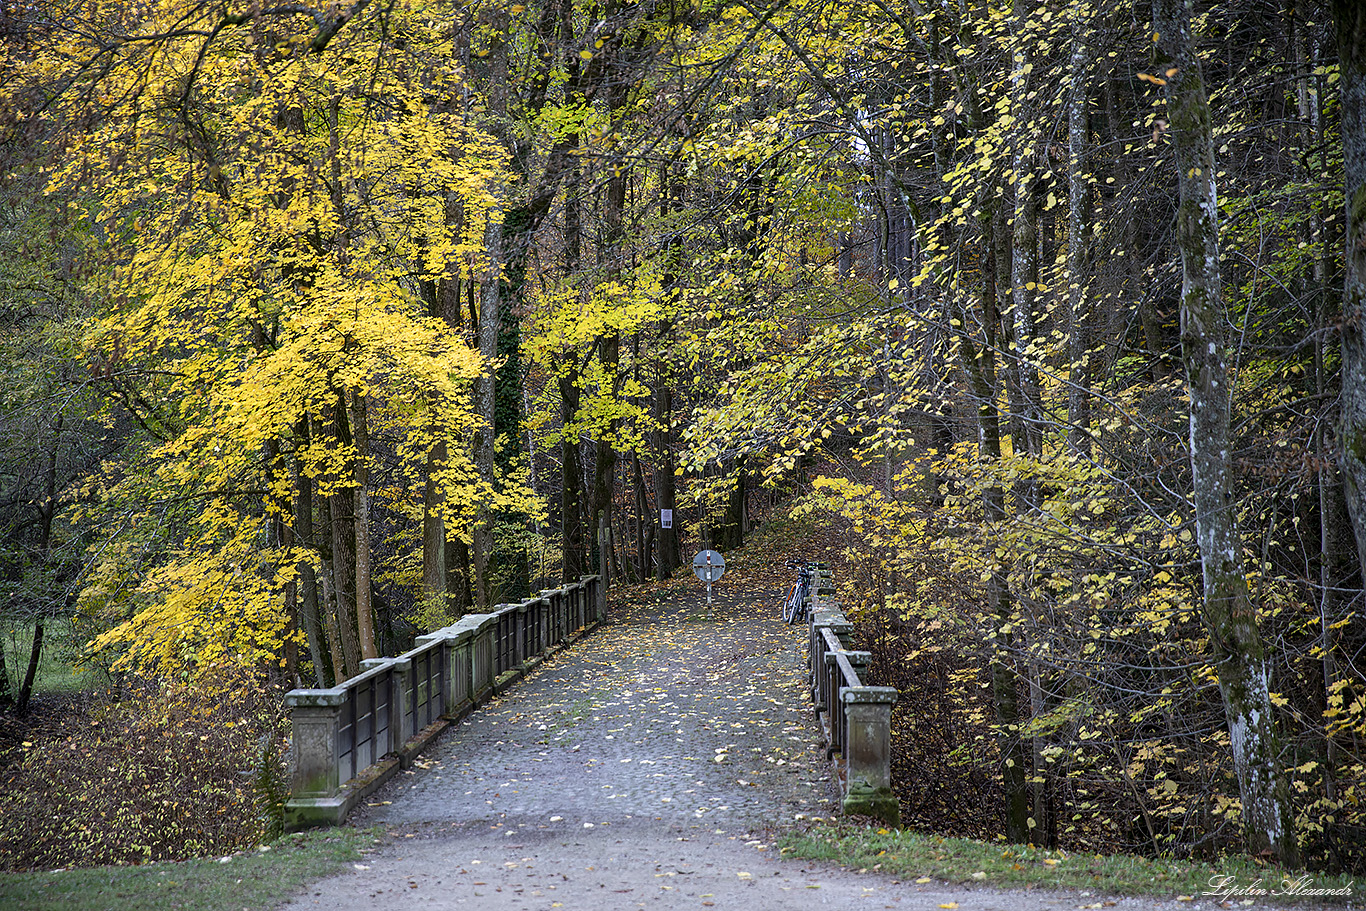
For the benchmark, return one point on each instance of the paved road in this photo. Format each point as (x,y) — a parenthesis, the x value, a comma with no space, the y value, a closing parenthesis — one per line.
(647,767)
(665,715)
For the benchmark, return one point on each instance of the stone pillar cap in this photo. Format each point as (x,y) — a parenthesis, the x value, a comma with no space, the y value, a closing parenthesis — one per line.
(868,694)
(328,698)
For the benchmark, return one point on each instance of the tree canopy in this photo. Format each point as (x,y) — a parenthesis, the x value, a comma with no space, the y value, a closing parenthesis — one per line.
(323,325)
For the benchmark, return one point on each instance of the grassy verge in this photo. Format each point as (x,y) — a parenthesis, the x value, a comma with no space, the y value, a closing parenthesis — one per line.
(261,879)
(914,856)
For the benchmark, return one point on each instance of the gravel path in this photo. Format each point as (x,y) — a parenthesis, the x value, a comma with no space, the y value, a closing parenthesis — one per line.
(646,767)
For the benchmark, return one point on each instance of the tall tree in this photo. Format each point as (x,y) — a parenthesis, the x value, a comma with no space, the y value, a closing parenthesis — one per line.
(1243,668)
(1350,21)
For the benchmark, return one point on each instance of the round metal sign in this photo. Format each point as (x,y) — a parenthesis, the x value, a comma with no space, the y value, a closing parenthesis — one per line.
(709,565)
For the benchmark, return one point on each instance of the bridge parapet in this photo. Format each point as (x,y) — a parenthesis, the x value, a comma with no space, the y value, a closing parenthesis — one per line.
(857,718)
(351,738)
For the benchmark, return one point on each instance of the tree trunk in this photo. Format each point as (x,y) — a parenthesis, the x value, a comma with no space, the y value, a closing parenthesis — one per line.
(979,363)
(485,407)
(31,673)
(730,531)
(341,510)
(642,518)
(365,618)
(1267,816)
(1024,264)
(434,582)
(575,558)
(458,575)
(1078,242)
(323,673)
(334,637)
(605,463)
(571,475)
(6,691)
(1350,19)
(666,496)
(282,545)
(46,516)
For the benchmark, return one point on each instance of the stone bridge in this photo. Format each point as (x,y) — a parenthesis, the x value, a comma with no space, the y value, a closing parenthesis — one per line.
(554,716)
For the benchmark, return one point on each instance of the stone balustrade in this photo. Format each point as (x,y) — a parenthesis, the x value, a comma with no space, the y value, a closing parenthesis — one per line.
(351,738)
(857,719)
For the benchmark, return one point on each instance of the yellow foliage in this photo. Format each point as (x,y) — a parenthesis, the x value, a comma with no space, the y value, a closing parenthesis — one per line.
(273,206)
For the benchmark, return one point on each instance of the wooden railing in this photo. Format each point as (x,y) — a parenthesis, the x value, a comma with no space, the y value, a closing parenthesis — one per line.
(351,738)
(857,719)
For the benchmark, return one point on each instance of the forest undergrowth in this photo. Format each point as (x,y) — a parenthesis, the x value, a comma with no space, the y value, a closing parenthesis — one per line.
(141,774)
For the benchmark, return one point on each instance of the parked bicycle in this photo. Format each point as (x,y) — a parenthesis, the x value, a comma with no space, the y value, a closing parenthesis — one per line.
(796,607)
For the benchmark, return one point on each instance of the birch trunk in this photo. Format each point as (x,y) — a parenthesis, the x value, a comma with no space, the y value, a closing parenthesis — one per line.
(1244,684)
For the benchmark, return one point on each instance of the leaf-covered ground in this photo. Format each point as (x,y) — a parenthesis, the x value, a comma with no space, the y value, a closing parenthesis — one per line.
(672,713)
(654,765)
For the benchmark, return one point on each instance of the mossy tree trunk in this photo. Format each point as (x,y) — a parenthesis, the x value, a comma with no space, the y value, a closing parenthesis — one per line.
(1244,672)
(1350,18)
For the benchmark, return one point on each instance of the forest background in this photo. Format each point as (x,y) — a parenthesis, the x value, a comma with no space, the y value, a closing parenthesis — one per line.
(324,325)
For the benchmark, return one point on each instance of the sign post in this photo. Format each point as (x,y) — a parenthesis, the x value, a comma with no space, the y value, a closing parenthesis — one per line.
(709,566)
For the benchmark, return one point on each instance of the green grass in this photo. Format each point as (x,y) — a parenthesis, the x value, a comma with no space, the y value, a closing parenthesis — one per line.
(913,856)
(55,672)
(261,879)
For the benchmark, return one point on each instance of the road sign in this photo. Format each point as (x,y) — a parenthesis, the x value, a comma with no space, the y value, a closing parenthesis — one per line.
(709,565)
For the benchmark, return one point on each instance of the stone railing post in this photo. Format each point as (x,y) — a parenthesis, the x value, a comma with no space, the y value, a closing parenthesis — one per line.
(314,777)
(460,668)
(868,753)
(481,629)
(402,712)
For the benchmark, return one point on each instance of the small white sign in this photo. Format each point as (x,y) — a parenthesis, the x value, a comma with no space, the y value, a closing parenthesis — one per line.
(666,518)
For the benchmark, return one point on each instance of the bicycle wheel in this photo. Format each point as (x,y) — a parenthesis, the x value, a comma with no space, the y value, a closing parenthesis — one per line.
(790,606)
